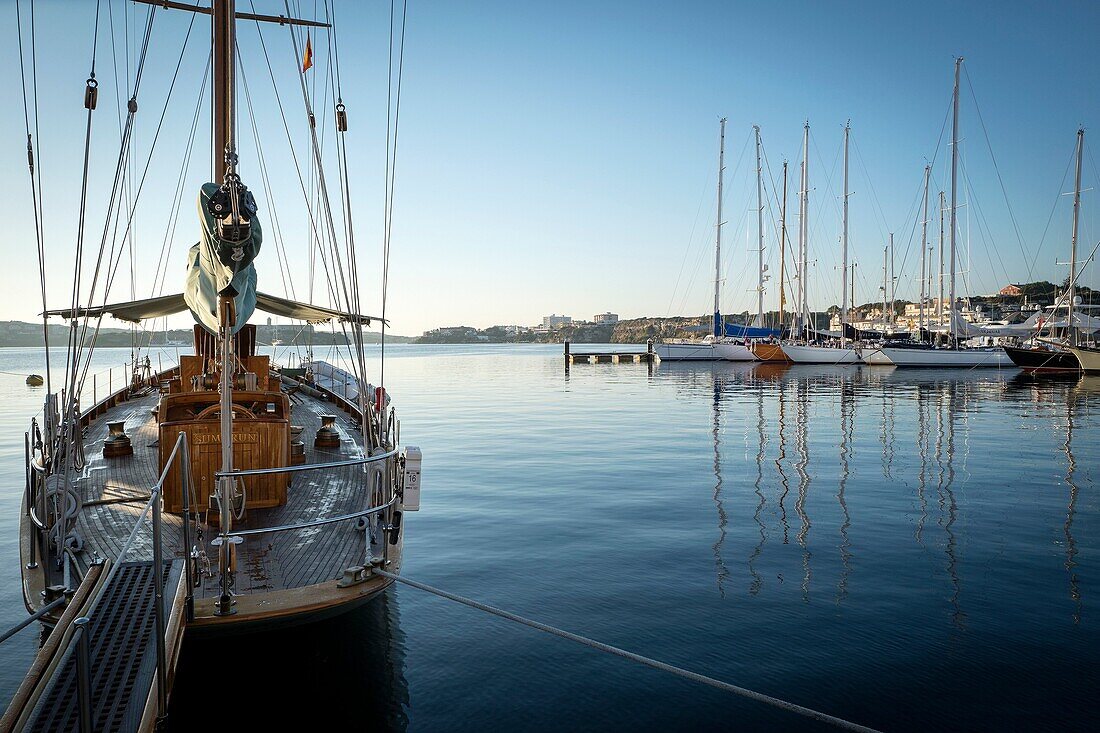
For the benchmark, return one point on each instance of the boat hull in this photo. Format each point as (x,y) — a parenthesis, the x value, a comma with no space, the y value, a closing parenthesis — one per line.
(686,352)
(1043,360)
(876,357)
(1088,358)
(703,351)
(734,352)
(769,352)
(807,354)
(947,358)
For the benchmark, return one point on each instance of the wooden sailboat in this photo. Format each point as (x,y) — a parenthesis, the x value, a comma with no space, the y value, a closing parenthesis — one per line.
(279,496)
(771,350)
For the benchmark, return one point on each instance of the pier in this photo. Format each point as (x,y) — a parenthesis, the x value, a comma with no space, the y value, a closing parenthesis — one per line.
(612,357)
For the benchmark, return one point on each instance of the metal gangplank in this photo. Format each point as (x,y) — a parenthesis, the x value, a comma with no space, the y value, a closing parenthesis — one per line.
(109,661)
(98,669)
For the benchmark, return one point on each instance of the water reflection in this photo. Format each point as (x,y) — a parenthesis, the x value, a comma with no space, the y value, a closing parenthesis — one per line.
(847,421)
(802,430)
(1071,511)
(723,519)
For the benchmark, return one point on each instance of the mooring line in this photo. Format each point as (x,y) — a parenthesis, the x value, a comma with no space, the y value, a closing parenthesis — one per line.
(647,661)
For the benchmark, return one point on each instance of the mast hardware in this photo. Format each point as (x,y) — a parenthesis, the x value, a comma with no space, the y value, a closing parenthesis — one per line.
(280,19)
(91,93)
(341,118)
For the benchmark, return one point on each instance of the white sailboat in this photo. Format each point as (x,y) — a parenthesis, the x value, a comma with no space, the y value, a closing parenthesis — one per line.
(920,355)
(714,347)
(809,353)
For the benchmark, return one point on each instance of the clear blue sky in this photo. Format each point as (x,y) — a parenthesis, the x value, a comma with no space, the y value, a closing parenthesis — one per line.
(560,157)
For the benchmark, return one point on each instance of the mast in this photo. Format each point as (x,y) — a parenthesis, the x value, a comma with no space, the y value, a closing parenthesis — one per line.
(939,303)
(783,250)
(760,230)
(954,196)
(804,231)
(893,283)
(844,247)
(718,231)
(1073,239)
(923,250)
(852,300)
(885,250)
(223,21)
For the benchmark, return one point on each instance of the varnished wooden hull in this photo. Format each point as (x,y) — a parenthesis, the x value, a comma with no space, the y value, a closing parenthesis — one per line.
(765,351)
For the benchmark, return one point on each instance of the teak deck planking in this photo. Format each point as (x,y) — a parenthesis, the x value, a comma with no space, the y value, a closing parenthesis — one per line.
(266,562)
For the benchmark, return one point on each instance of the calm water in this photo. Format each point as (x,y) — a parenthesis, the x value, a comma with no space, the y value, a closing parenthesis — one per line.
(909,550)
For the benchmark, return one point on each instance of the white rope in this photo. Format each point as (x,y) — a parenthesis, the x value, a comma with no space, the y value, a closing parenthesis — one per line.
(647,661)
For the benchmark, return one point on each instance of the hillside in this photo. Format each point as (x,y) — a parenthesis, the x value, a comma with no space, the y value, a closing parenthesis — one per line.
(21,333)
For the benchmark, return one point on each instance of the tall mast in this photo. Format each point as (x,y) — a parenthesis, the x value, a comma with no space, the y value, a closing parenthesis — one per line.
(923,250)
(783,249)
(954,194)
(893,282)
(939,303)
(1073,239)
(853,286)
(804,230)
(844,247)
(223,19)
(760,230)
(718,230)
(885,250)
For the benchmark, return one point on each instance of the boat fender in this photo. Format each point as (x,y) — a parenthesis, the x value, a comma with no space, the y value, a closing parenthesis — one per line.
(394,528)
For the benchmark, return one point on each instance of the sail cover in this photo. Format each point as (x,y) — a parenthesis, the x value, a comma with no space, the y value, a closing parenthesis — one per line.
(136,311)
(218,266)
(736,330)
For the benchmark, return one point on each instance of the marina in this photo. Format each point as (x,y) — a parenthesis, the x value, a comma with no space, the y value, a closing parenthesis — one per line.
(960,496)
(822,459)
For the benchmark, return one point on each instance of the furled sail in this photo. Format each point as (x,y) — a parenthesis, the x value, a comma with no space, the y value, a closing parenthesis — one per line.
(221,262)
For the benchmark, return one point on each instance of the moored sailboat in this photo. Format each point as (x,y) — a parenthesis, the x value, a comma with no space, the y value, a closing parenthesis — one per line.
(717,346)
(1049,357)
(955,356)
(272,498)
(806,351)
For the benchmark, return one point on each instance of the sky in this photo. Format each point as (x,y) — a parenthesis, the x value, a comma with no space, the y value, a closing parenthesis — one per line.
(562,157)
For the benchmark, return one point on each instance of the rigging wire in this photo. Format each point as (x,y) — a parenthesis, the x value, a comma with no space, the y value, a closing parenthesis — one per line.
(36,199)
(391,174)
(91,88)
(997,169)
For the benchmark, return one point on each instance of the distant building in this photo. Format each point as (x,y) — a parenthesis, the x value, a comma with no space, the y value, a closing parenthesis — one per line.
(554,321)
(1010,290)
(602,318)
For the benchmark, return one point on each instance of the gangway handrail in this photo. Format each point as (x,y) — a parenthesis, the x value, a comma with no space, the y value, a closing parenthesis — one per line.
(83,628)
(31,619)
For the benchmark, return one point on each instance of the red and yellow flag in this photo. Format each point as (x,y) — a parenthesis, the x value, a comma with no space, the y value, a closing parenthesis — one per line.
(307,58)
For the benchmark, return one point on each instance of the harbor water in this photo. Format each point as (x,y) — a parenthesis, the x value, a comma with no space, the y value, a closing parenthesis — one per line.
(911,550)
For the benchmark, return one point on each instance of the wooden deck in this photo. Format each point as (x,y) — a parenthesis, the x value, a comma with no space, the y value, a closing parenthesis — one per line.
(267,562)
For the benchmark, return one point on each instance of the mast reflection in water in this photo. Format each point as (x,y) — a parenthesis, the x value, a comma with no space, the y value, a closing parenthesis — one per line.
(802,431)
